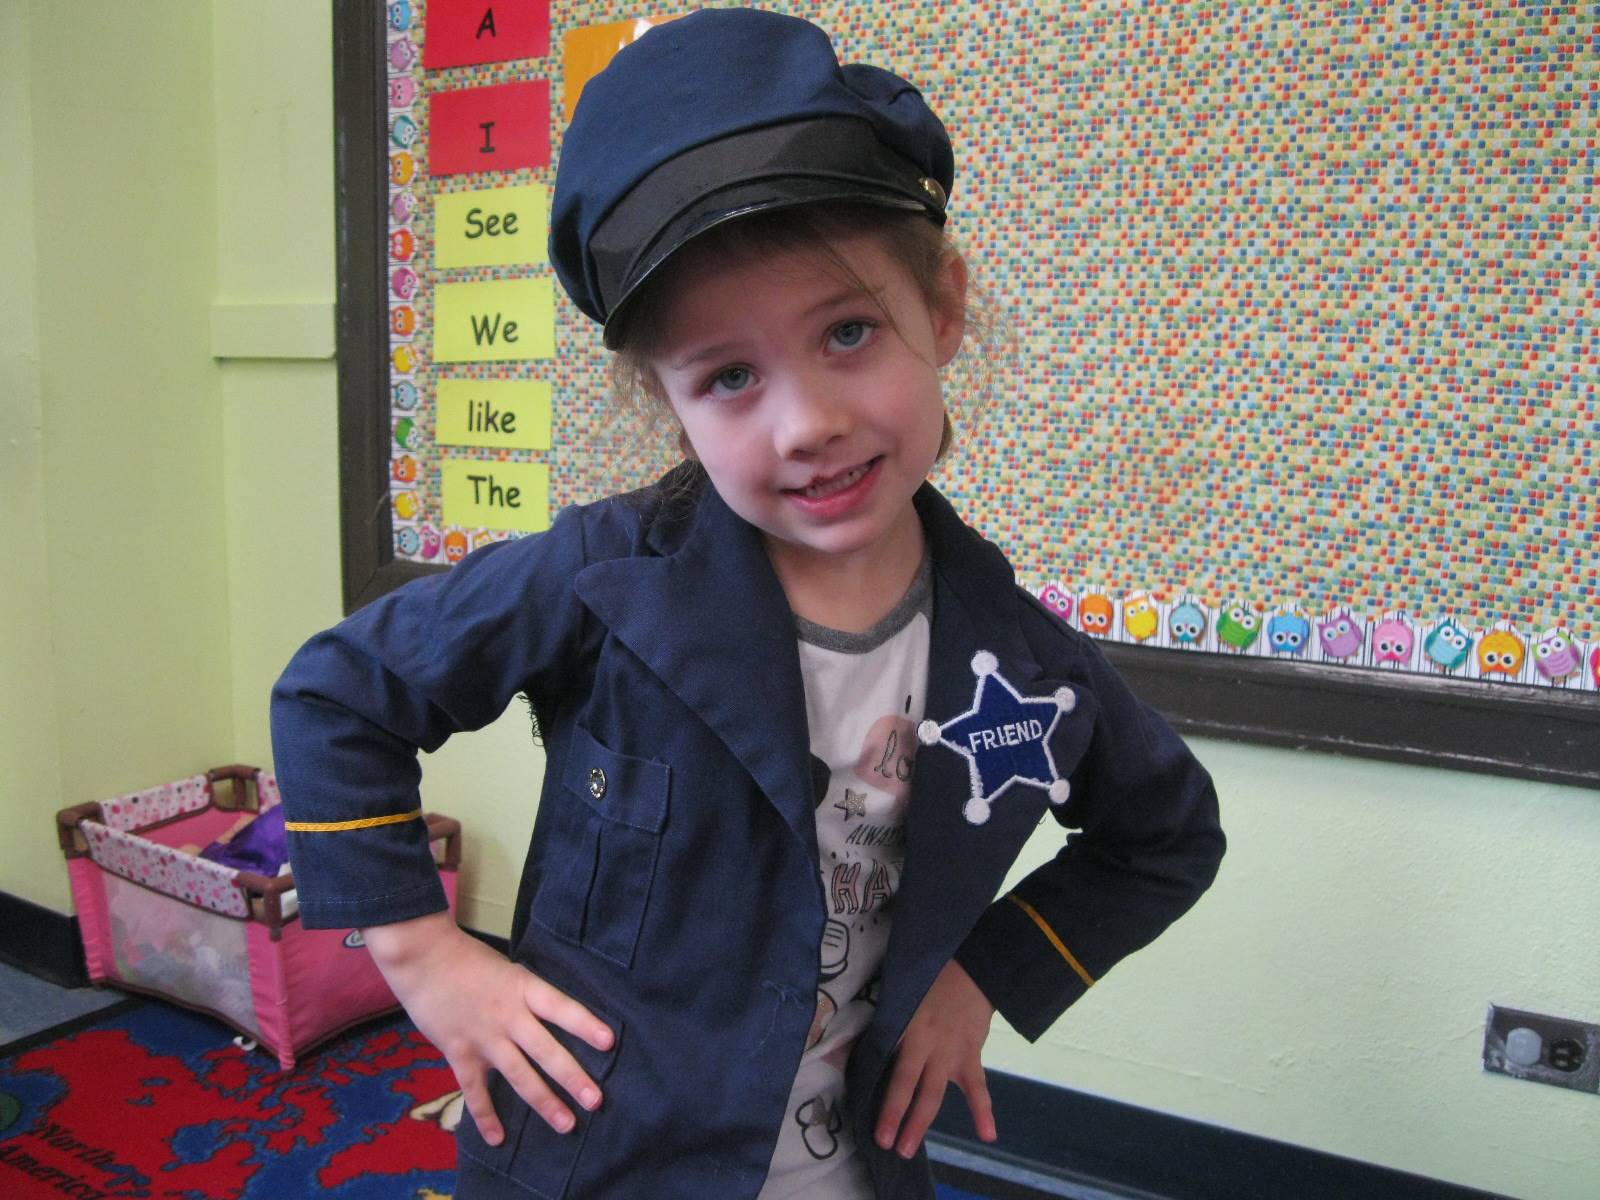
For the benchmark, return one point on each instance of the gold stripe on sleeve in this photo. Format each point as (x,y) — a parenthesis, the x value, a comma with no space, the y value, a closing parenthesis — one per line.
(341,826)
(1044,925)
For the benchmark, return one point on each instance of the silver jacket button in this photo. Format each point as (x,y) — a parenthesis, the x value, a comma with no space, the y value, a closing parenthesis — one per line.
(597,783)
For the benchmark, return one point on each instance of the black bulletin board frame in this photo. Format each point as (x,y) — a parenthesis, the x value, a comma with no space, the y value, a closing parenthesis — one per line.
(361,169)
(1501,729)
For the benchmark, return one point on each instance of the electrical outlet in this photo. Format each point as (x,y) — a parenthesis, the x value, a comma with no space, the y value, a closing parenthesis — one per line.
(1543,1049)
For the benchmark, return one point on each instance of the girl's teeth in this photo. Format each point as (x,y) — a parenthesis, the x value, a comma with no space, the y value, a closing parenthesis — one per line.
(817,491)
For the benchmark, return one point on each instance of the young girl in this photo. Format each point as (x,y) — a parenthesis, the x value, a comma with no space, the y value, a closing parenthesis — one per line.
(752,947)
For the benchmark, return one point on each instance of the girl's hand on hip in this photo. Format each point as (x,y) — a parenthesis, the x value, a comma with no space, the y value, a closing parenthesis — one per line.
(941,1046)
(486,1013)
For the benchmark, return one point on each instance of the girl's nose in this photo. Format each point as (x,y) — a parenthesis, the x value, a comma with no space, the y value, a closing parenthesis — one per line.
(814,414)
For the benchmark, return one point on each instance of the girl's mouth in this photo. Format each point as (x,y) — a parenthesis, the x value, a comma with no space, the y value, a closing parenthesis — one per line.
(837,483)
(835,493)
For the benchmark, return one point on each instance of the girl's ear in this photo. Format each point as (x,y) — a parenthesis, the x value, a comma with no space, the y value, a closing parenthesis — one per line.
(950,316)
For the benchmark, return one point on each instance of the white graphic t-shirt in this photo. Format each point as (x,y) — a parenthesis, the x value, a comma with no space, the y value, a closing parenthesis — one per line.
(864,698)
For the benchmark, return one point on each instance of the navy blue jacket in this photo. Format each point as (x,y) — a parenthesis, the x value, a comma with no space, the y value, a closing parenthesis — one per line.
(679,897)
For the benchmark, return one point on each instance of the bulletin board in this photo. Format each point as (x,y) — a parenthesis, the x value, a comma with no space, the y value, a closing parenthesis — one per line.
(1304,422)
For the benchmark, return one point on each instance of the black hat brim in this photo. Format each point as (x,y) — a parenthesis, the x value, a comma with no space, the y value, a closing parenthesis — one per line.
(832,159)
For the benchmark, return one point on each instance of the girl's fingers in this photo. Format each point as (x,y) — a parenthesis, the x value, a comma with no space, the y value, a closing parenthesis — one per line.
(553,1005)
(975,1087)
(556,1061)
(902,1086)
(535,1092)
(930,1094)
(481,1108)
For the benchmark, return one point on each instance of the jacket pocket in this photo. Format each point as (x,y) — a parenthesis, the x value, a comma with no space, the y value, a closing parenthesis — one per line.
(598,866)
(532,1155)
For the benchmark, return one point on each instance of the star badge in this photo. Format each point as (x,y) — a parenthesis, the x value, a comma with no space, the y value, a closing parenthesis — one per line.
(1005,738)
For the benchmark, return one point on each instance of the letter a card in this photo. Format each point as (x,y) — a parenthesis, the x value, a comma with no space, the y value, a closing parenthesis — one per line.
(461,33)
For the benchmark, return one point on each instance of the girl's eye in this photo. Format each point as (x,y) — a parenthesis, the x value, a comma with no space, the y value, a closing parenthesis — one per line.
(729,379)
(847,335)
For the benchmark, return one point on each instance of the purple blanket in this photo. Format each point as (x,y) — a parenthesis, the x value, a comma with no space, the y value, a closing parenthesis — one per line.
(261,846)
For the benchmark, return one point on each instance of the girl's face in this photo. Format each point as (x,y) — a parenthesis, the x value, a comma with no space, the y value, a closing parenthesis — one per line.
(814,416)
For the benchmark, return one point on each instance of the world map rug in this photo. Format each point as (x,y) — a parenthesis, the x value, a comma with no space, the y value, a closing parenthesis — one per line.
(147,1101)
(153,1102)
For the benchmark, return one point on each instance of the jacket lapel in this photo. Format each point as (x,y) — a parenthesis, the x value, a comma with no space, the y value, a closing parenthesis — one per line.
(953,868)
(709,617)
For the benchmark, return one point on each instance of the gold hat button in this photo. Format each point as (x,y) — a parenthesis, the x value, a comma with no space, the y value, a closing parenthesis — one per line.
(931,186)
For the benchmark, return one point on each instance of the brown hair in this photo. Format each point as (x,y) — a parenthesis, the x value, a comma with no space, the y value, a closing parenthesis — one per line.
(910,239)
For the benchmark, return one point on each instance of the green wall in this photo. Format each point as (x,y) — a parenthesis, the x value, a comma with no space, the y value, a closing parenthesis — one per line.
(116,638)
(169,478)
(30,766)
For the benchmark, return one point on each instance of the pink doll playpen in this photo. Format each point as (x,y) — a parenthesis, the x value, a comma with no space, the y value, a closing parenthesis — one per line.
(210,934)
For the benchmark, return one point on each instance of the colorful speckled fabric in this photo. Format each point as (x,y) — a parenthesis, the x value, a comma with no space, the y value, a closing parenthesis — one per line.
(1305,297)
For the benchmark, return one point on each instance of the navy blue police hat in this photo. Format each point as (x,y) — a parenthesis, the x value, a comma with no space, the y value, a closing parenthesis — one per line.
(718,115)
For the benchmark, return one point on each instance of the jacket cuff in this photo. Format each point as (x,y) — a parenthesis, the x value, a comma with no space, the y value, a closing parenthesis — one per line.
(419,901)
(1020,964)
